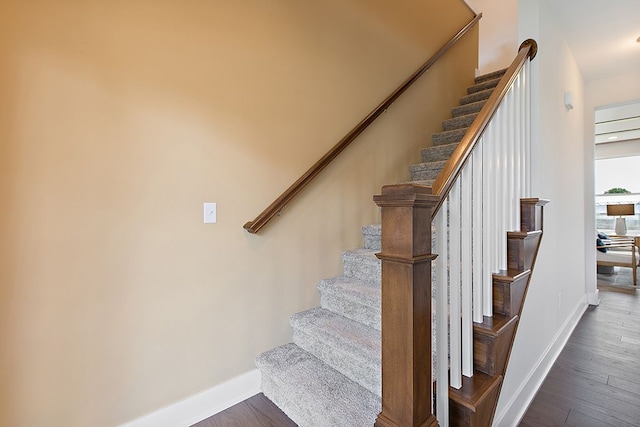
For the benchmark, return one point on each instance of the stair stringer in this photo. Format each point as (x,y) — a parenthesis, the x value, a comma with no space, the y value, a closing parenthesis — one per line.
(474,404)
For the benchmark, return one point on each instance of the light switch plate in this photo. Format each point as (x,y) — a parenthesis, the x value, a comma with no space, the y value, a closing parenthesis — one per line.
(210,213)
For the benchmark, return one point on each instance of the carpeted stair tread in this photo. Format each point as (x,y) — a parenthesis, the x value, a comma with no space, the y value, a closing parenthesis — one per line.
(484,85)
(424,171)
(475,97)
(353,299)
(372,236)
(438,153)
(311,393)
(465,109)
(459,122)
(362,264)
(490,76)
(425,182)
(448,137)
(349,347)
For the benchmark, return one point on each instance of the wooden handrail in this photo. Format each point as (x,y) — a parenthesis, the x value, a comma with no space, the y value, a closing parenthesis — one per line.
(274,208)
(447,177)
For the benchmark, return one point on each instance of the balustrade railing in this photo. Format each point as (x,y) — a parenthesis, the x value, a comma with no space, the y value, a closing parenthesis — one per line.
(470,233)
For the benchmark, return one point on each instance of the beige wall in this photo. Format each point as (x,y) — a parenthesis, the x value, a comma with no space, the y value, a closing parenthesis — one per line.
(498,37)
(119,119)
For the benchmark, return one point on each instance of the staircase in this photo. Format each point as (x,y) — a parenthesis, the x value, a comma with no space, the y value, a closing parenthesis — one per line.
(435,157)
(330,375)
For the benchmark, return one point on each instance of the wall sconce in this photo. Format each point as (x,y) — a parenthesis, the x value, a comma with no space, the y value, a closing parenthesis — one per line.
(619,211)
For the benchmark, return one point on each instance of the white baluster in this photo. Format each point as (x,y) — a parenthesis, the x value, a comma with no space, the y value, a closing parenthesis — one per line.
(442,320)
(455,338)
(478,224)
(466,266)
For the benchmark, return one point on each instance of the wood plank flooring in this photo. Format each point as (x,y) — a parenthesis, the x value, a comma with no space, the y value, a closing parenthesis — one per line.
(594,382)
(596,379)
(257,411)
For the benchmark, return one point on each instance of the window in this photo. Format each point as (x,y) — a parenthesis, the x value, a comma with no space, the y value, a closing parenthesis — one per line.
(620,172)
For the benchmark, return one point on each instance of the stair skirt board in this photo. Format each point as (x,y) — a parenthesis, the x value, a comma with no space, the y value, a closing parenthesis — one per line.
(330,375)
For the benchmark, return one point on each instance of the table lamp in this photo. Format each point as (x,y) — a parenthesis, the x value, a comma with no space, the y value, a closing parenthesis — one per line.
(619,211)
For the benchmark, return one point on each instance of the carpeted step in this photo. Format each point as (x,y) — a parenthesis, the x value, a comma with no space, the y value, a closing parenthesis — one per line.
(349,347)
(362,264)
(353,299)
(483,85)
(475,97)
(459,122)
(311,393)
(425,182)
(438,153)
(490,76)
(426,171)
(448,137)
(372,236)
(462,110)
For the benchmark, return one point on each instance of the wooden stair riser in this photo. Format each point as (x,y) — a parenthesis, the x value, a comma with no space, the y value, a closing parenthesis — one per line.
(531,214)
(509,292)
(522,250)
(491,344)
(474,404)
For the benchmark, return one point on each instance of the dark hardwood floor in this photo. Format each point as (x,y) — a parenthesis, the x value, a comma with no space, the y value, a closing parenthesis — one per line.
(596,379)
(257,411)
(594,382)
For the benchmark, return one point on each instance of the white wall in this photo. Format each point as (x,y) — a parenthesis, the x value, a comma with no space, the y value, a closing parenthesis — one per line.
(557,295)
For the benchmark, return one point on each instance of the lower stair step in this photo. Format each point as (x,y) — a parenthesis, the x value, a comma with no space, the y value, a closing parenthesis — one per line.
(311,393)
(349,347)
(449,136)
(438,153)
(362,264)
(459,122)
(509,288)
(473,405)
(426,171)
(352,299)
(474,107)
(475,97)
(491,342)
(372,237)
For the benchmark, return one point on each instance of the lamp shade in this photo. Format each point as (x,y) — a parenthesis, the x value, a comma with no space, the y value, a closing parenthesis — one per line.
(618,210)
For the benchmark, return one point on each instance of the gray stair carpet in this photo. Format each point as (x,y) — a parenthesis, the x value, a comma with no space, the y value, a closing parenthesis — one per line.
(444,143)
(353,299)
(346,345)
(313,394)
(330,375)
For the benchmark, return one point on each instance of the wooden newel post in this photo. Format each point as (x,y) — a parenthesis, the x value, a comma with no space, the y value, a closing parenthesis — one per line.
(406,306)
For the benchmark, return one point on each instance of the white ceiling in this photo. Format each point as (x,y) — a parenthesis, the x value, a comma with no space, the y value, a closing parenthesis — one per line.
(601,34)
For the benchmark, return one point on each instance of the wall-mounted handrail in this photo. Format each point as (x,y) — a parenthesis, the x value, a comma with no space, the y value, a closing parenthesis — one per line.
(274,208)
(445,180)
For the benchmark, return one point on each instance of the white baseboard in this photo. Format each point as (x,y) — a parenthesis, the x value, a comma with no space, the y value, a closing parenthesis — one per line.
(517,405)
(202,405)
(593,298)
